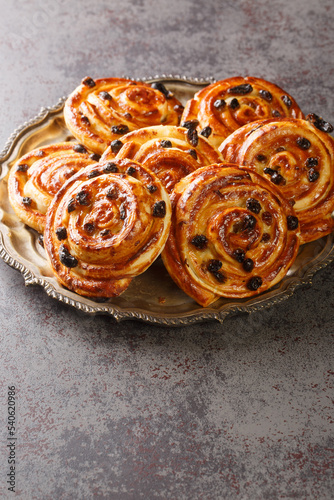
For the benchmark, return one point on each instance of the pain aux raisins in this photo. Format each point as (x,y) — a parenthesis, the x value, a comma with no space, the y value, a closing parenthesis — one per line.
(66,258)
(243,89)
(159,209)
(79,148)
(116,145)
(199,241)
(61,233)
(120,129)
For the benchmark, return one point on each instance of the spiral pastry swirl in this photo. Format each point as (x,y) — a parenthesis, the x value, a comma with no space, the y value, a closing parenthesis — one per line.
(299,158)
(99,112)
(170,152)
(37,176)
(106,225)
(233,234)
(224,106)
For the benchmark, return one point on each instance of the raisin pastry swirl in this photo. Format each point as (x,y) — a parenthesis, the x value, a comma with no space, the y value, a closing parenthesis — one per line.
(99,112)
(224,106)
(233,234)
(298,157)
(106,225)
(37,176)
(170,152)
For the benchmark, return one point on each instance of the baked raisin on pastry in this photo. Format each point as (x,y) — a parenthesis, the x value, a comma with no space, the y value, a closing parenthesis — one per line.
(222,107)
(170,152)
(99,112)
(106,225)
(233,234)
(37,176)
(298,157)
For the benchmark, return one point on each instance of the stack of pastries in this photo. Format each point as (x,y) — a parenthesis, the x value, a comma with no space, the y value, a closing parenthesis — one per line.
(225,188)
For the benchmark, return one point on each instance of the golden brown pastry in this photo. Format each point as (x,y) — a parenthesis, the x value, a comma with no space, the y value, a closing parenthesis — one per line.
(106,225)
(170,152)
(296,155)
(222,107)
(233,234)
(99,112)
(37,176)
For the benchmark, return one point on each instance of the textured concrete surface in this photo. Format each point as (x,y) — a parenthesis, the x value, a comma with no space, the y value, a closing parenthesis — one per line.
(133,411)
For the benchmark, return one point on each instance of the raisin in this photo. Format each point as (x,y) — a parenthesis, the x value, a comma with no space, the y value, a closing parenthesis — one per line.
(112,193)
(312,161)
(61,233)
(95,157)
(82,198)
(262,158)
(219,104)
(40,153)
(93,173)
(41,240)
(159,209)
(239,255)
(243,89)
(165,143)
(130,170)
(199,241)
(85,120)
(234,104)
(89,227)
(248,265)
(287,101)
(193,153)
(160,86)
(269,171)
(119,129)
(116,145)
(249,222)
(71,205)
(267,218)
(122,212)
(219,276)
(265,237)
(253,205)
(79,148)
(276,113)
(88,81)
(190,124)
(266,95)
(26,201)
(277,178)
(254,283)
(22,168)
(313,175)
(292,222)
(110,167)
(320,123)
(303,143)
(214,265)
(192,136)
(66,258)
(105,95)
(152,188)
(206,132)
(105,232)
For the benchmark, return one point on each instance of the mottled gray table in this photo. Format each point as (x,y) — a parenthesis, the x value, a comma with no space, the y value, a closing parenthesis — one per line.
(242,409)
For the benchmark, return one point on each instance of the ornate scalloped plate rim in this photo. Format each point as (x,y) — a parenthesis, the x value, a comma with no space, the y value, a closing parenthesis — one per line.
(254,304)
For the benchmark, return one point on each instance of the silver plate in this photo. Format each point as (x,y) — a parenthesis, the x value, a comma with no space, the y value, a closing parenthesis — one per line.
(152,297)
